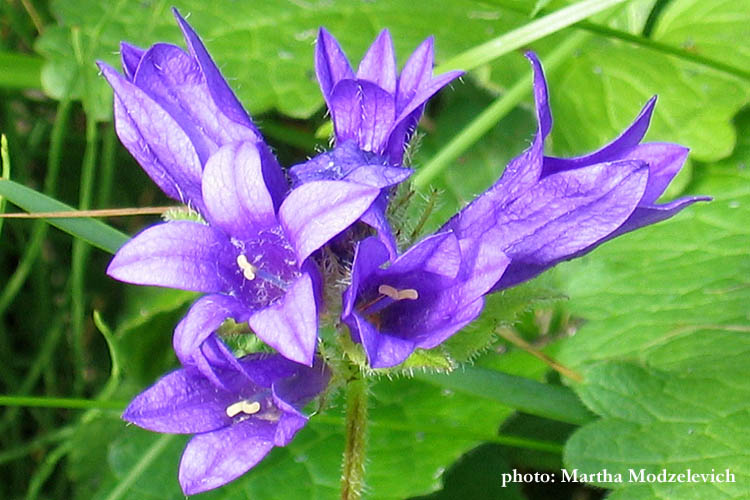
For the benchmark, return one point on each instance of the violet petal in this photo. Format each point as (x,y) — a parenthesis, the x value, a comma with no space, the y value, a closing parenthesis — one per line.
(235,193)
(291,325)
(180,254)
(215,458)
(317,211)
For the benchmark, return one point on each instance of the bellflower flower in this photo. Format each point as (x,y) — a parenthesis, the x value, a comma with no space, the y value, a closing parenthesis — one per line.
(554,209)
(374,112)
(179,118)
(250,258)
(426,295)
(173,110)
(543,210)
(236,424)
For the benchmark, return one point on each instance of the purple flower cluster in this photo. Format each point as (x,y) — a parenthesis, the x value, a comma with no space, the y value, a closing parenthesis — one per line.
(255,251)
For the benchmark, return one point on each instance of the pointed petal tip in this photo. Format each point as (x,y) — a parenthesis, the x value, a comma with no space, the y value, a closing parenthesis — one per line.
(531,56)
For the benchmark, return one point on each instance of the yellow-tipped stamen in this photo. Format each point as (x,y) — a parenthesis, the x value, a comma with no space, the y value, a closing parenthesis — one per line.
(395,294)
(248,270)
(244,406)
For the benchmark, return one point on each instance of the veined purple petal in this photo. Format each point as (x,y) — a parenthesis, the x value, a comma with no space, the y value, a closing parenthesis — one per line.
(363,112)
(214,360)
(646,215)
(541,96)
(382,350)
(569,216)
(379,176)
(178,254)
(331,64)
(664,161)
(175,81)
(345,104)
(235,193)
(215,458)
(182,402)
(291,325)
(317,211)
(416,73)
(379,64)
(461,314)
(155,140)
(221,94)
(439,254)
(368,257)
(425,92)
(201,321)
(376,218)
(615,150)
(130,56)
(294,391)
(568,211)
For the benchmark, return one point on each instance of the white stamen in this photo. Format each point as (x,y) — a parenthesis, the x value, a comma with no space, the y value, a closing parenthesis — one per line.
(395,294)
(248,270)
(244,406)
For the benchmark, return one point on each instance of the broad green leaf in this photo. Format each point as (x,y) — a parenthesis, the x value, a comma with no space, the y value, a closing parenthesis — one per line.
(695,106)
(530,396)
(274,66)
(665,347)
(603,88)
(708,28)
(93,231)
(677,421)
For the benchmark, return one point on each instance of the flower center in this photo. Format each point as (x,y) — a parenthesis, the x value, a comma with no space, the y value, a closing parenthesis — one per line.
(250,272)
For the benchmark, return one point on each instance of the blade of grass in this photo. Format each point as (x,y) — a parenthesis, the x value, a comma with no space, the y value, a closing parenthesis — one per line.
(526,34)
(79,257)
(5,160)
(544,400)
(93,231)
(39,230)
(496,111)
(643,40)
(31,377)
(46,468)
(66,403)
(36,443)
(20,71)
(151,454)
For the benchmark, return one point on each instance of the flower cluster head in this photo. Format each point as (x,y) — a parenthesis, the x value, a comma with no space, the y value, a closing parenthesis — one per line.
(255,251)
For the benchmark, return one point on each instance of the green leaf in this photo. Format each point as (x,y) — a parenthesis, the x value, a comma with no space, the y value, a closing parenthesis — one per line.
(696,103)
(275,68)
(673,420)
(20,71)
(665,347)
(90,230)
(530,396)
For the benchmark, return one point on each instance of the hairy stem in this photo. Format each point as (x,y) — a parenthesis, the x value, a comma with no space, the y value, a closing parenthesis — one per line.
(352,477)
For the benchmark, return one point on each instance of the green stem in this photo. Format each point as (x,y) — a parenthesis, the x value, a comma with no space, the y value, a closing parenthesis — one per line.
(39,230)
(490,116)
(526,34)
(68,403)
(353,474)
(81,250)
